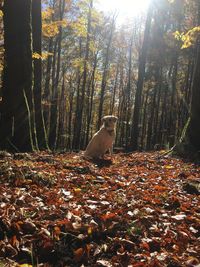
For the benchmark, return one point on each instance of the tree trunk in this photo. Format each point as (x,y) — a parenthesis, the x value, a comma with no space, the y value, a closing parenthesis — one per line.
(46,97)
(105,74)
(37,89)
(144,119)
(90,104)
(112,104)
(83,87)
(78,100)
(53,131)
(17,98)
(61,143)
(71,100)
(194,126)
(141,75)
(128,94)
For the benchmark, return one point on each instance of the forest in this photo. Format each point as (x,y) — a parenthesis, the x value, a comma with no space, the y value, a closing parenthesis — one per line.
(72,64)
(64,66)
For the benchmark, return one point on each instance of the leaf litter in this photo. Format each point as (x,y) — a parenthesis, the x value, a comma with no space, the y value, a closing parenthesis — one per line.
(132,210)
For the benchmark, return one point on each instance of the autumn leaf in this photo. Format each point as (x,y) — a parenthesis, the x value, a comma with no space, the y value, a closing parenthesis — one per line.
(25,265)
(108,216)
(137,211)
(78,254)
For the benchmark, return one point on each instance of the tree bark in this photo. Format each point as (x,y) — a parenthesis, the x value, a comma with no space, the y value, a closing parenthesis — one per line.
(37,89)
(194,126)
(79,115)
(141,75)
(17,98)
(105,73)
(53,131)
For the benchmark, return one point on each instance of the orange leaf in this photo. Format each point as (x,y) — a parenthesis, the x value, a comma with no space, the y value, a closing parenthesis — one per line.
(145,246)
(108,216)
(160,188)
(78,254)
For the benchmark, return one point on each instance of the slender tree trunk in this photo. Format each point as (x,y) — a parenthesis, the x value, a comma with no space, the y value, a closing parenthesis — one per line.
(53,130)
(173,111)
(112,105)
(144,119)
(105,74)
(151,120)
(90,104)
(52,45)
(78,99)
(128,94)
(141,75)
(157,111)
(71,98)
(119,141)
(61,143)
(46,96)
(79,118)
(162,126)
(37,48)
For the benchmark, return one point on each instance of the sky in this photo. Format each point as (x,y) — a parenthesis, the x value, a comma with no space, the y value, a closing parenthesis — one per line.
(126,9)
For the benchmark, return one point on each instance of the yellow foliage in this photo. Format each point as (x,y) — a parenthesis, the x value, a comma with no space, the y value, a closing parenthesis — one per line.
(97,18)
(189,38)
(80,27)
(25,265)
(36,56)
(93,46)
(51,28)
(98,76)
(47,14)
(44,55)
(78,63)
(178,35)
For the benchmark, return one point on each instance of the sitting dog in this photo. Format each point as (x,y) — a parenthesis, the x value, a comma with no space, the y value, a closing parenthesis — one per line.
(102,141)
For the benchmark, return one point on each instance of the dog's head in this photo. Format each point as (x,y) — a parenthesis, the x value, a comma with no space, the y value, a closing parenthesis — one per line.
(109,122)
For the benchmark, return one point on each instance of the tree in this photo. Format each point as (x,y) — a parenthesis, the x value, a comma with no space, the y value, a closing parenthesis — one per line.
(53,131)
(105,71)
(193,132)
(17,105)
(1,41)
(37,64)
(80,104)
(141,75)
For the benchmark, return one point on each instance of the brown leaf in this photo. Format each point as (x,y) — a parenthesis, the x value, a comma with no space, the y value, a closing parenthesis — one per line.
(28,227)
(78,254)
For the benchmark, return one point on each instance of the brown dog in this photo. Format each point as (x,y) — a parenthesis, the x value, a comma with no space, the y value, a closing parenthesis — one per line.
(103,140)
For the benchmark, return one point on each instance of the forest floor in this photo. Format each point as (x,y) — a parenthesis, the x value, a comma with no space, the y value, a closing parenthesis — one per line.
(140,209)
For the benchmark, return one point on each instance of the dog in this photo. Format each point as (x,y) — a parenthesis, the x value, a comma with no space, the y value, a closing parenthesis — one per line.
(103,140)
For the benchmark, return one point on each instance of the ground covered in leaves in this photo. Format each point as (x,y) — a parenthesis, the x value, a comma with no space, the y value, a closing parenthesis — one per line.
(140,209)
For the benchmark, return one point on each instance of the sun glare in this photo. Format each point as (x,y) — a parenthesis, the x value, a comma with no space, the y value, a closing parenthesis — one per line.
(124,8)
